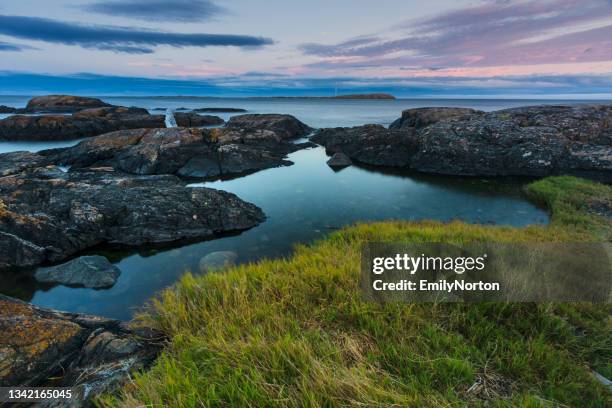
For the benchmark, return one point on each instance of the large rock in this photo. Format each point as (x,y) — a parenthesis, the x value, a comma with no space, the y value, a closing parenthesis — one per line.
(339,161)
(91,354)
(421,117)
(47,215)
(370,144)
(92,271)
(528,141)
(63,103)
(286,126)
(192,119)
(186,152)
(92,122)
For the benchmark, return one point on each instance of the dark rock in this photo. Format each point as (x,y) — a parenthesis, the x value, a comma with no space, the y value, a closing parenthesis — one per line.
(88,271)
(286,126)
(220,110)
(89,353)
(186,152)
(7,109)
(86,123)
(528,141)
(63,103)
(339,160)
(48,215)
(370,144)
(421,117)
(216,260)
(15,162)
(194,120)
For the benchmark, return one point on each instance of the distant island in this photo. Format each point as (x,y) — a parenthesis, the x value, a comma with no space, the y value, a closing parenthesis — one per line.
(381,96)
(364,96)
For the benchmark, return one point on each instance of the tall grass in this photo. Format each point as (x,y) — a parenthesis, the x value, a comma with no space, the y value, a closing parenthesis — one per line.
(296,333)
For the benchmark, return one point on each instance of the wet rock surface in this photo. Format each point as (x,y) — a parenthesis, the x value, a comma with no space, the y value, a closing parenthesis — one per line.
(92,354)
(528,141)
(92,271)
(339,161)
(48,215)
(7,109)
(216,260)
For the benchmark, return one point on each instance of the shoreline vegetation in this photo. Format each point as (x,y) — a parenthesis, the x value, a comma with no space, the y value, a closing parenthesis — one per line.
(295,332)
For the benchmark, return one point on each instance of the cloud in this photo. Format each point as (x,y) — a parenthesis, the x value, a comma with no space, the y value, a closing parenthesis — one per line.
(116,39)
(4,46)
(491,34)
(158,10)
(543,86)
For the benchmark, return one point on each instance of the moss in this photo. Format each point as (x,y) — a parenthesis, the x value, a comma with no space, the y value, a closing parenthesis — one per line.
(295,332)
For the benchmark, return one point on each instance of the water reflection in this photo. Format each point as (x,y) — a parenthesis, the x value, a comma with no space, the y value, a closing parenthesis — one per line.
(303,202)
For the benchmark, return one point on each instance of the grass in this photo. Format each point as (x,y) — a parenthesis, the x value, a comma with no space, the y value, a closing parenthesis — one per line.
(296,333)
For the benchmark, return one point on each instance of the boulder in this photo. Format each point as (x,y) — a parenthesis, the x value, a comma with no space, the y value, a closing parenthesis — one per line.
(91,354)
(88,271)
(63,103)
(529,141)
(220,110)
(421,117)
(185,152)
(194,120)
(286,126)
(47,215)
(339,161)
(370,144)
(216,260)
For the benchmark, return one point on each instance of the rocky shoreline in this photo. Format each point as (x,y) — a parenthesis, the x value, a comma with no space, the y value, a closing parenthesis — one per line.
(534,141)
(126,184)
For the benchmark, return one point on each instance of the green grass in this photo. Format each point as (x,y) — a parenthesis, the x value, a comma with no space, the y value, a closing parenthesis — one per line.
(296,333)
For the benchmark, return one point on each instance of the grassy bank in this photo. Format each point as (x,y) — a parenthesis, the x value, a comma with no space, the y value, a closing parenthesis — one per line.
(295,332)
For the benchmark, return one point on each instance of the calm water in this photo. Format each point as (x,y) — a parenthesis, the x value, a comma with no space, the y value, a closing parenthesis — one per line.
(302,202)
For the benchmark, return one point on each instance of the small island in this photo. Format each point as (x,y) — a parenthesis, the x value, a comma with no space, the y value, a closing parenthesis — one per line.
(365,96)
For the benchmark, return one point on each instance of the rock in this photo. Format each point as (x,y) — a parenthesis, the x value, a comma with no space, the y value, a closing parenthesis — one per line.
(185,152)
(216,260)
(370,144)
(7,109)
(15,162)
(92,122)
(220,110)
(194,120)
(87,271)
(339,160)
(421,117)
(286,126)
(63,103)
(92,354)
(530,141)
(47,215)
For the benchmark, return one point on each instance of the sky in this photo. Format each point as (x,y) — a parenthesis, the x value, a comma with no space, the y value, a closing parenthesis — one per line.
(441,48)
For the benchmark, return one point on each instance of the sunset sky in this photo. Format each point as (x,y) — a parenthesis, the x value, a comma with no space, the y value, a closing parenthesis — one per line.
(273,47)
